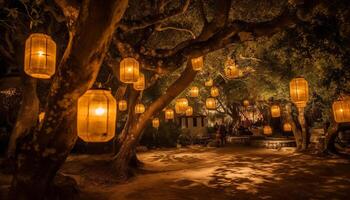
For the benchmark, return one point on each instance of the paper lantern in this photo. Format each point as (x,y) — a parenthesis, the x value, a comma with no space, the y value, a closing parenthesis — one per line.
(341,111)
(96,116)
(231,70)
(209,83)
(246,103)
(267,130)
(210,103)
(299,92)
(140,83)
(129,70)
(287,127)
(122,105)
(181,105)
(214,91)
(189,111)
(169,113)
(194,92)
(155,122)
(40,56)
(197,63)
(275,111)
(139,108)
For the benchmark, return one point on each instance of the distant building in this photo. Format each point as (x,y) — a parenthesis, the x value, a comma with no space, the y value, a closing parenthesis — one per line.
(195,125)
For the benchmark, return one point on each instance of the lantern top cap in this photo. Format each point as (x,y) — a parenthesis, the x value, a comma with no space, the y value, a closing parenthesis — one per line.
(40,35)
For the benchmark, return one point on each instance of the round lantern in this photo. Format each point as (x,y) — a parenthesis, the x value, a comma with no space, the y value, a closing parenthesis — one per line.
(209,83)
(155,122)
(287,127)
(169,113)
(40,56)
(231,70)
(96,116)
(275,111)
(139,108)
(246,103)
(122,105)
(181,105)
(299,91)
(189,111)
(341,111)
(197,63)
(129,70)
(194,92)
(140,83)
(214,91)
(210,103)
(267,130)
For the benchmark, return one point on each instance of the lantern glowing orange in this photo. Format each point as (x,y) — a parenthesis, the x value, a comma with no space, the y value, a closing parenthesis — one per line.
(189,111)
(140,83)
(41,116)
(267,130)
(287,127)
(122,105)
(169,113)
(210,103)
(209,83)
(341,111)
(194,91)
(299,92)
(139,108)
(181,105)
(231,70)
(40,56)
(246,103)
(96,116)
(275,111)
(197,63)
(214,91)
(129,70)
(155,122)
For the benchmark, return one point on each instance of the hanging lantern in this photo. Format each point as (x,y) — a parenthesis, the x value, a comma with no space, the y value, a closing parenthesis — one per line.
(169,113)
(231,70)
(209,83)
(267,130)
(246,103)
(40,56)
(194,92)
(197,63)
(287,127)
(299,92)
(189,111)
(96,116)
(122,105)
(155,122)
(210,103)
(214,91)
(341,111)
(275,111)
(140,83)
(181,105)
(139,108)
(129,70)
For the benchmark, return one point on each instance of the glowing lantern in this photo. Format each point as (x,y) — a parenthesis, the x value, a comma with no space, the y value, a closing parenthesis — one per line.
(41,116)
(341,111)
(287,127)
(40,56)
(275,111)
(140,83)
(214,91)
(246,103)
(129,70)
(267,130)
(194,92)
(210,103)
(169,113)
(96,116)
(122,105)
(197,63)
(299,92)
(189,111)
(209,83)
(181,105)
(231,70)
(139,108)
(155,123)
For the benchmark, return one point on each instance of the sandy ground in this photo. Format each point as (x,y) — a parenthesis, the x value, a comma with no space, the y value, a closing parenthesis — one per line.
(216,173)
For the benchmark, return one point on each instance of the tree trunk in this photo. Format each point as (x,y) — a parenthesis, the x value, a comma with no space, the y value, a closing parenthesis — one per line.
(296,131)
(301,118)
(331,133)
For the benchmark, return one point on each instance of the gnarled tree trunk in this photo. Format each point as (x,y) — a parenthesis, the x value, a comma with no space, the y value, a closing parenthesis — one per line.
(296,131)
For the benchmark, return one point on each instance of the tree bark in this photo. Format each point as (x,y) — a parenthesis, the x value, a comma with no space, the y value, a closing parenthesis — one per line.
(296,131)
(301,118)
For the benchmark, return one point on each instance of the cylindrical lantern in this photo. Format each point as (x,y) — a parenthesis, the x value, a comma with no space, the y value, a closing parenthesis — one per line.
(267,130)
(181,105)
(341,111)
(140,83)
(194,92)
(299,91)
(122,105)
(129,70)
(189,111)
(210,103)
(155,122)
(231,70)
(169,113)
(96,116)
(197,63)
(214,91)
(275,111)
(139,108)
(287,127)
(209,83)
(40,56)
(246,103)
